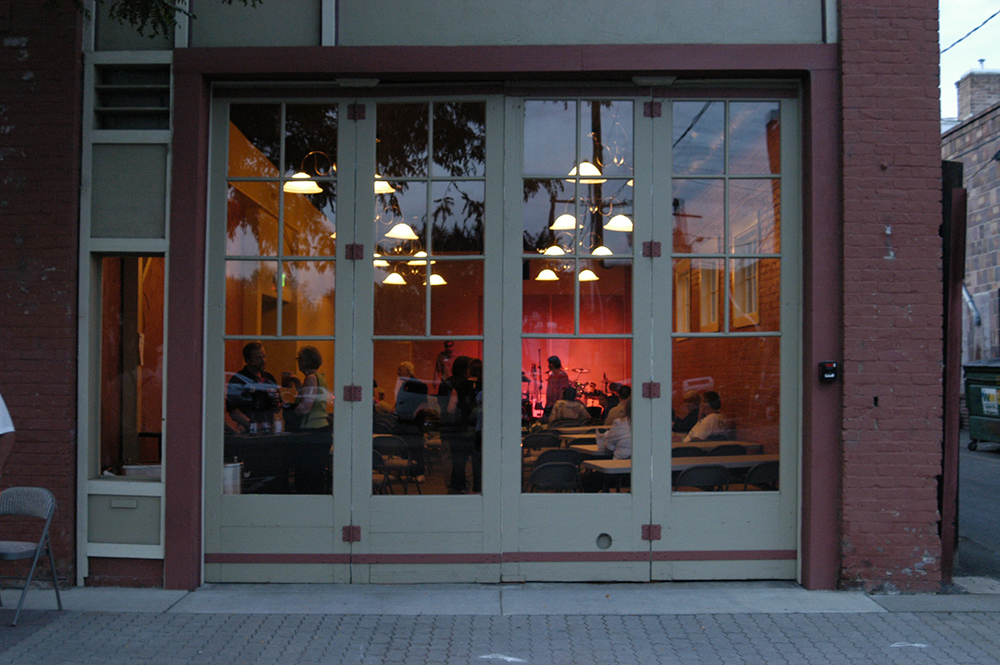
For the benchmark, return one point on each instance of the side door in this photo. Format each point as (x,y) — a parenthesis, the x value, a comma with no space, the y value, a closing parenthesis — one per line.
(725,492)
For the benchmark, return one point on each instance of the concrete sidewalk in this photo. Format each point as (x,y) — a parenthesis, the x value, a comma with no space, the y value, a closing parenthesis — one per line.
(724,623)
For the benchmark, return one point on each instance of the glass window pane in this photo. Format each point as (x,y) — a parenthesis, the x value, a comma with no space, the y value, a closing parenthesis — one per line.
(251,298)
(401,219)
(131,386)
(606,136)
(308,298)
(572,392)
(460,139)
(706,294)
(605,296)
(698,138)
(754,216)
(252,219)
(427,427)
(547,293)
(754,137)
(726,391)
(311,139)
(254,145)
(456,296)
(311,222)
(682,295)
(278,432)
(545,203)
(549,145)
(608,216)
(400,305)
(401,146)
(755,295)
(699,216)
(458,209)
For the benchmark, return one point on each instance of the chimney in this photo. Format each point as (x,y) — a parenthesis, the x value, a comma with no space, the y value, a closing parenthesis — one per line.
(978,90)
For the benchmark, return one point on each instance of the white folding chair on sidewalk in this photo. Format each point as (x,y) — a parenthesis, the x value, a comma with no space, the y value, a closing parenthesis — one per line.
(29,502)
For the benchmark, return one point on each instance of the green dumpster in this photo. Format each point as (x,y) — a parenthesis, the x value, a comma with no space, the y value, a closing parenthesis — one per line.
(982,397)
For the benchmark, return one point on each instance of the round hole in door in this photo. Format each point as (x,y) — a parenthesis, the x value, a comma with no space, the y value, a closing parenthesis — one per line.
(603,541)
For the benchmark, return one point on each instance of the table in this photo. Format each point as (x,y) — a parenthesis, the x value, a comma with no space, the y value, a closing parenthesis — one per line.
(590,450)
(752,448)
(269,458)
(570,439)
(618,469)
(590,430)
(728,461)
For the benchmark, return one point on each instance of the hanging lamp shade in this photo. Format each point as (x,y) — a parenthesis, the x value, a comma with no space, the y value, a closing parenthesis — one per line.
(547,275)
(382,187)
(619,223)
(588,276)
(419,255)
(302,183)
(402,231)
(554,250)
(379,262)
(589,174)
(437,280)
(565,222)
(602,251)
(394,278)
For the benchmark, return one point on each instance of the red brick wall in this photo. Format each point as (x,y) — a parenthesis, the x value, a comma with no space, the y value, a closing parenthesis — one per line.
(892,295)
(40,97)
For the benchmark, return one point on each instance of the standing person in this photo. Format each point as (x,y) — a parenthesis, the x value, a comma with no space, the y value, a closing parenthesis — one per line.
(252,393)
(557,383)
(442,365)
(6,434)
(310,404)
(457,396)
(711,424)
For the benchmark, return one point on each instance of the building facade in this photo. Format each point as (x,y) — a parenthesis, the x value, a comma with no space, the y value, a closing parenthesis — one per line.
(975,142)
(338,269)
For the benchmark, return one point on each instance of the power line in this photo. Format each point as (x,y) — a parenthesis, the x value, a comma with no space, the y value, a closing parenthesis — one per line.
(973,30)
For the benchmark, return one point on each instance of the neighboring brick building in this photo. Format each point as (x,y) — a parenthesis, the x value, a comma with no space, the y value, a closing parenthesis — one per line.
(975,142)
(148,205)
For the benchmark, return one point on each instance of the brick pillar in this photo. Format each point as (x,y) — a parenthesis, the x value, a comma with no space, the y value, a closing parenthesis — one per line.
(892,429)
(40,99)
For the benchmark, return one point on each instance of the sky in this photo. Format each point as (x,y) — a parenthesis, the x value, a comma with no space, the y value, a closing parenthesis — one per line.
(958,17)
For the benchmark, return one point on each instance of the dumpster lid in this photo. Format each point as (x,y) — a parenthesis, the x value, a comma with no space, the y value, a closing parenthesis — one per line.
(988,365)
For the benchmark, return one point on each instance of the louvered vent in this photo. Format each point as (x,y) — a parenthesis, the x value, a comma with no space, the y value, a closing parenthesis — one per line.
(132,97)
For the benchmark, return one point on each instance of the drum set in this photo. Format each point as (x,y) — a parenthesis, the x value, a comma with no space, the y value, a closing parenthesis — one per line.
(533,392)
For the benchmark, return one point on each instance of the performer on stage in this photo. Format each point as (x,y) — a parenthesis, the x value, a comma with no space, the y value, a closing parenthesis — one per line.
(558,381)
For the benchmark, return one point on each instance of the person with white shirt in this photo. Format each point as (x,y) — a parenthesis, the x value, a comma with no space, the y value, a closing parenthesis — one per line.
(711,423)
(6,434)
(618,439)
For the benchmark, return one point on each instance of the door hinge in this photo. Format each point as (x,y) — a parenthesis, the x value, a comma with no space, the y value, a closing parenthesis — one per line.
(651,532)
(651,249)
(651,390)
(355,111)
(352,394)
(352,534)
(652,109)
(354,252)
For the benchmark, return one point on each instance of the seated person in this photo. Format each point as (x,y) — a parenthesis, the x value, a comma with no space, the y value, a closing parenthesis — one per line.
(617,411)
(692,405)
(252,393)
(712,424)
(568,408)
(618,438)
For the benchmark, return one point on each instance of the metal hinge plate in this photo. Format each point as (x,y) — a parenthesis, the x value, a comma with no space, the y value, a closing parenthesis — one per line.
(352,534)
(652,532)
(651,390)
(355,111)
(354,252)
(352,394)
(652,249)
(652,109)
